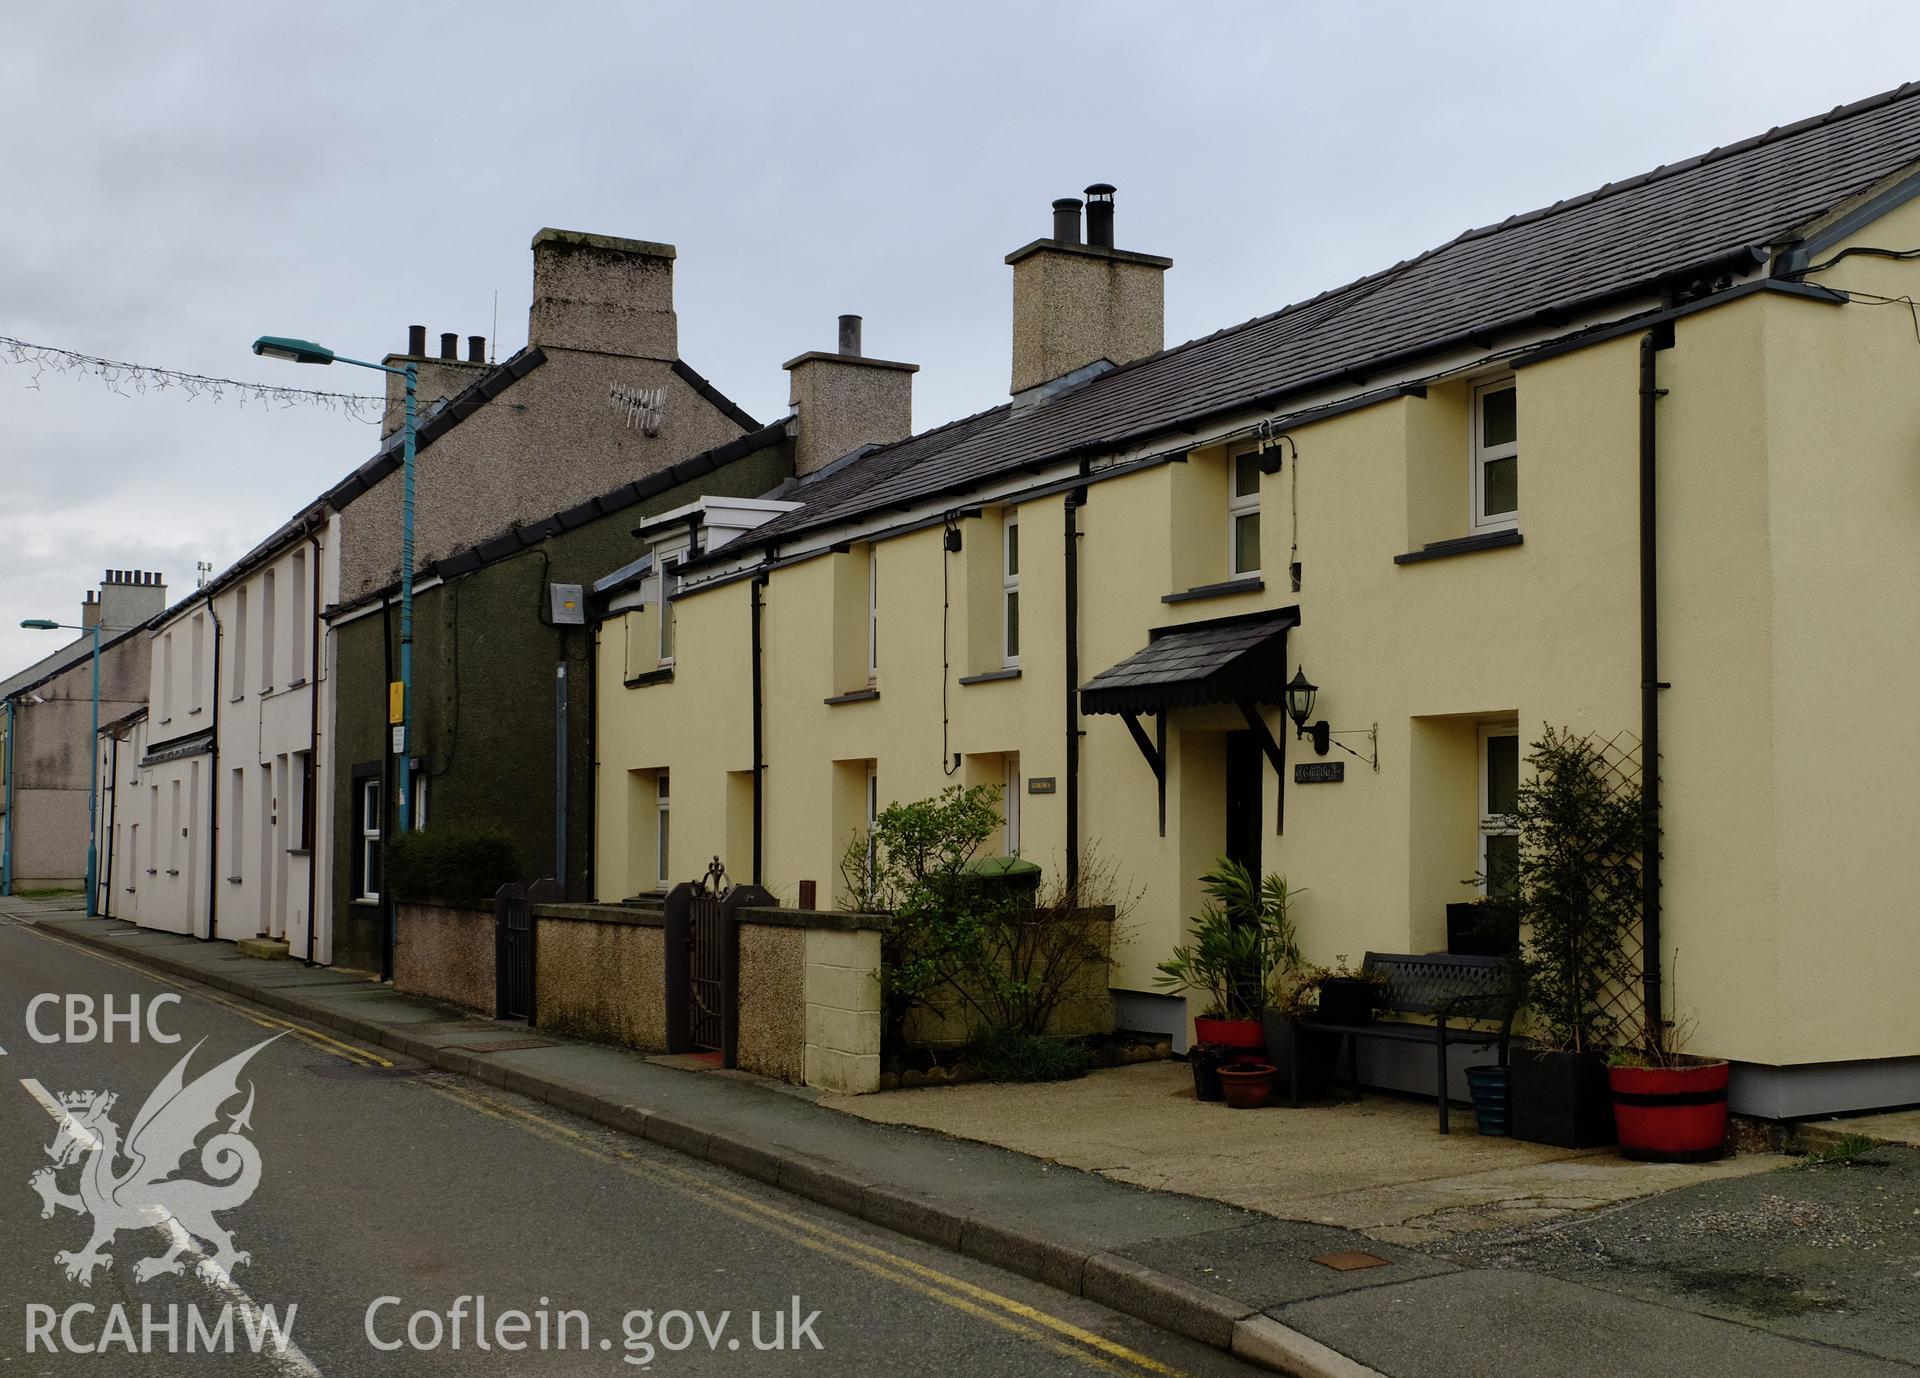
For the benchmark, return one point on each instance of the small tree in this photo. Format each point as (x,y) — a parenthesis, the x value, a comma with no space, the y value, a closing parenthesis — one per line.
(1578,888)
(912,868)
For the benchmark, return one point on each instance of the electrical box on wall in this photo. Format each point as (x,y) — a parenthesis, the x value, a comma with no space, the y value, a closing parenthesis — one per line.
(567,604)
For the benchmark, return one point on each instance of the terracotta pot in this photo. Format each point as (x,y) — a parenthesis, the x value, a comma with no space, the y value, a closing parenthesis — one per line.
(1229,1033)
(1247,1084)
(1671,1114)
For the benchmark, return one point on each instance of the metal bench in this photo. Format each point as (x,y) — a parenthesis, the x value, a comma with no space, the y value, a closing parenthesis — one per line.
(1478,989)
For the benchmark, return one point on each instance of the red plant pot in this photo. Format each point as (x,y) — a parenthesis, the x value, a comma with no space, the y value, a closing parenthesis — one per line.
(1230,1033)
(1247,1085)
(1670,1114)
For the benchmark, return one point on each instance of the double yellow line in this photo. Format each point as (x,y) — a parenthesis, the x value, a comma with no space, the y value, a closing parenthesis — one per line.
(1015,1317)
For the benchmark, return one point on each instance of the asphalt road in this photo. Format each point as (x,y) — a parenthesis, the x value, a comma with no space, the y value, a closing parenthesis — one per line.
(382,1180)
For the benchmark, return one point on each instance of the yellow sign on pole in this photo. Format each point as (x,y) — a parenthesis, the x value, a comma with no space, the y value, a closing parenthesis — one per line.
(396,703)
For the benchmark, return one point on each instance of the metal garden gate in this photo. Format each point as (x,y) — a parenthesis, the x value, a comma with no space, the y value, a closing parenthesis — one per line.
(702,946)
(515,948)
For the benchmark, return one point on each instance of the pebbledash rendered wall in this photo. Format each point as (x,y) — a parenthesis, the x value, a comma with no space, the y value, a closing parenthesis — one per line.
(809,982)
(1787,575)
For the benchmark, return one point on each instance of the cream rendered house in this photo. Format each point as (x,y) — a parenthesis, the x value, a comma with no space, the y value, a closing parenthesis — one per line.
(215,822)
(1643,461)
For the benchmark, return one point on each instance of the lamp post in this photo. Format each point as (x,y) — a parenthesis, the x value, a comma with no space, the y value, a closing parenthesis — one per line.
(45,624)
(307,352)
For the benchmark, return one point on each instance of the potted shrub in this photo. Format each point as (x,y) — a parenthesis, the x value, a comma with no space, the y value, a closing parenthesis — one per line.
(1247,1085)
(1348,995)
(1668,1107)
(1577,884)
(1242,938)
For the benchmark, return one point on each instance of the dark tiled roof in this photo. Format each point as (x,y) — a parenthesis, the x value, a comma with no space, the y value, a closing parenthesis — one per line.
(1530,270)
(721,403)
(1226,661)
(518,538)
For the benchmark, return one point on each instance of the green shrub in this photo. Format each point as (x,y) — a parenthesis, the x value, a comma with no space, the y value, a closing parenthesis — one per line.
(1010,1056)
(461,866)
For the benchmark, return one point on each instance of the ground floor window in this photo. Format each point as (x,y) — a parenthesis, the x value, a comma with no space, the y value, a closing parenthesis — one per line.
(663,805)
(1010,804)
(367,860)
(1499,800)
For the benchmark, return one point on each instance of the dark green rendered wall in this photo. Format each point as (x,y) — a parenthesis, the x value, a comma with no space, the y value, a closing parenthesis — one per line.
(484,666)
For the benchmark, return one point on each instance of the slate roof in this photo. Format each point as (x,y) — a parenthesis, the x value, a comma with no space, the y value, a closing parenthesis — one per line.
(1223,661)
(1723,207)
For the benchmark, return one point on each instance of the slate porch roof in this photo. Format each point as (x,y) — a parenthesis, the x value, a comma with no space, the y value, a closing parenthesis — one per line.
(1725,208)
(1229,660)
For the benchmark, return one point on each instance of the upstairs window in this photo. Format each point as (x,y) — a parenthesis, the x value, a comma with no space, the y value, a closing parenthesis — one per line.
(873,613)
(1243,515)
(1496,456)
(668,573)
(1010,591)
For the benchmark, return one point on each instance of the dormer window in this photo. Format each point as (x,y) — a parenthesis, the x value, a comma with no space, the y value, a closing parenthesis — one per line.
(1496,456)
(669,570)
(1243,515)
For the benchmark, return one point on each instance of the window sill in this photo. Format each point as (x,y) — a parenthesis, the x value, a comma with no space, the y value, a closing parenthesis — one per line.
(364,902)
(992,676)
(1225,589)
(664,675)
(193,712)
(233,880)
(296,683)
(1465,545)
(300,851)
(165,721)
(857,696)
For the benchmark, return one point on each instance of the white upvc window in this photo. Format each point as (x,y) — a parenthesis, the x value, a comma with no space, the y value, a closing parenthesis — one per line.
(873,812)
(1496,456)
(668,571)
(370,839)
(662,828)
(1243,515)
(1499,800)
(1010,804)
(873,612)
(1010,589)
(417,805)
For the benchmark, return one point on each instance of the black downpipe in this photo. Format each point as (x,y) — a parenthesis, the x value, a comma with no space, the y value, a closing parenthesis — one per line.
(1660,337)
(310,798)
(759,713)
(213,791)
(1075,500)
(113,812)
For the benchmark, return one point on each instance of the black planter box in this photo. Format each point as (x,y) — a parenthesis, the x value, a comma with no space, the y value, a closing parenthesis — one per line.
(1561,1098)
(1316,1057)
(1346,1000)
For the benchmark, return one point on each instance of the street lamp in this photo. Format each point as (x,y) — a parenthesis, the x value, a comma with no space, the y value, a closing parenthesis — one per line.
(47,624)
(307,352)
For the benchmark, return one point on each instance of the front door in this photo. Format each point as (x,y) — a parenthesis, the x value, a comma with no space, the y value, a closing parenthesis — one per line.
(1243,800)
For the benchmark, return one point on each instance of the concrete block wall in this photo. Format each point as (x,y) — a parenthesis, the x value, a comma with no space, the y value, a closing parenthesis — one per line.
(446,954)
(842,1031)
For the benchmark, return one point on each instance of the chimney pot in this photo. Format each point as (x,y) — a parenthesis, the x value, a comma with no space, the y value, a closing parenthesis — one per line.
(1066,220)
(850,336)
(417,341)
(449,345)
(476,349)
(1100,215)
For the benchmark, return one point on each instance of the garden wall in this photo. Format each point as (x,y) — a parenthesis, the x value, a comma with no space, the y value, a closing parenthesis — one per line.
(445,954)
(600,973)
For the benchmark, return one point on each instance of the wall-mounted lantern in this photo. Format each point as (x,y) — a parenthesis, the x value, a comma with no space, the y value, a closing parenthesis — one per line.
(1301,693)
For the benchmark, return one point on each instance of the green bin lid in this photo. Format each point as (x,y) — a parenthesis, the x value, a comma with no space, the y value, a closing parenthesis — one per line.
(1001,866)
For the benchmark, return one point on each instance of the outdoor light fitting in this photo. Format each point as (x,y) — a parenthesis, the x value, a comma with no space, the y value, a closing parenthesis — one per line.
(298,351)
(1301,693)
(40,624)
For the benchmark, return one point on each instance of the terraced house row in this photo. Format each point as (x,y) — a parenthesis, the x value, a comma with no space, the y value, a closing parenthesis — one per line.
(1640,464)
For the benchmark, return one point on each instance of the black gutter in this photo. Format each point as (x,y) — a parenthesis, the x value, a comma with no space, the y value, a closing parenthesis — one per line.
(310,797)
(1659,338)
(213,789)
(113,812)
(759,713)
(1075,499)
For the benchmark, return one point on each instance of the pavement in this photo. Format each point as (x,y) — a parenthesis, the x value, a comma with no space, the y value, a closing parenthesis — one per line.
(1292,1295)
(1377,1165)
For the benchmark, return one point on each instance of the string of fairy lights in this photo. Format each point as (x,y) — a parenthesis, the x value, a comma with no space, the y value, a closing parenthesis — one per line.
(138,380)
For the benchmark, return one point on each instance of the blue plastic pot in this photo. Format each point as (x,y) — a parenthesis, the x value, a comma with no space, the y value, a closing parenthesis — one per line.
(1492,1089)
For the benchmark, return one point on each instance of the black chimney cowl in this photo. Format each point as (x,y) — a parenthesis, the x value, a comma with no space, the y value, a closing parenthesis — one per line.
(1100,215)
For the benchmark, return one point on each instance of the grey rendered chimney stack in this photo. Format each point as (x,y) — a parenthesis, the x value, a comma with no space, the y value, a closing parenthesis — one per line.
(417,341)
(1066,220)
(844,400)
(850,336)
(1099,215)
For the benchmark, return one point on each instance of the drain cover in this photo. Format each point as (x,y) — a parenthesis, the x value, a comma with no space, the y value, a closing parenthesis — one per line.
(353,1071)
(1351,1260)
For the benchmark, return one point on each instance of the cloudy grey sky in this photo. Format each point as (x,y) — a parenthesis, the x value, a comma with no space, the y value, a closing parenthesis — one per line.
(180,178)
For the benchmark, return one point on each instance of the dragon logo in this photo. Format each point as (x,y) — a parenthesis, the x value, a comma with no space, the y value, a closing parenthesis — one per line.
(131,1185)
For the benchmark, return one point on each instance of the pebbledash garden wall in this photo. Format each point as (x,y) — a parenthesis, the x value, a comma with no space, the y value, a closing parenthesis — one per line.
(808,988)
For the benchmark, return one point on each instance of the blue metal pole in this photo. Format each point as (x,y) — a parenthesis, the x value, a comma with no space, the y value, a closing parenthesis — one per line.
(93,787)
(402,771)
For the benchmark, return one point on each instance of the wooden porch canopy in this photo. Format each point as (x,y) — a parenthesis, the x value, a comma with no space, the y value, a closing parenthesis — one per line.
(1237,660)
